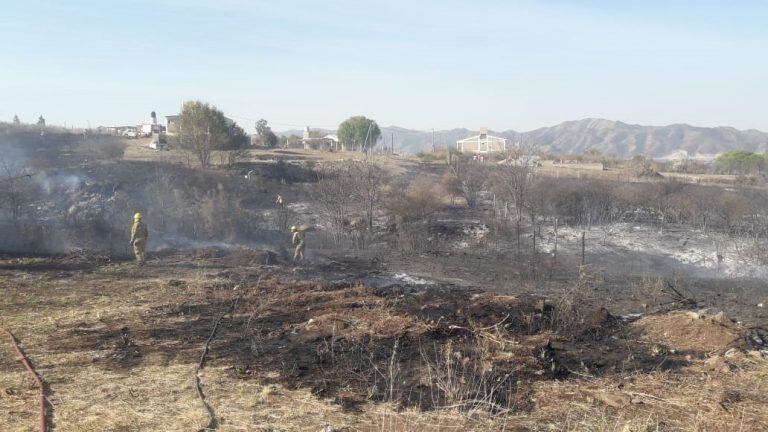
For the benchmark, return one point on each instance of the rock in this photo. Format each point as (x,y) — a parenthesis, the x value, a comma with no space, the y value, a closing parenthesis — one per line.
(614,399)
(693,314)
(731,352)
(757,340)
(721,318)
(329,428)
(701,314)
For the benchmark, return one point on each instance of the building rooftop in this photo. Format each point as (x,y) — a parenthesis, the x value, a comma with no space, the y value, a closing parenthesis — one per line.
(482,137)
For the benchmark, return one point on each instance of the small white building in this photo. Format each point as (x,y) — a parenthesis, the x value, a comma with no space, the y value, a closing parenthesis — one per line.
(482,143)
(327,142)
(171,124)
(147,129)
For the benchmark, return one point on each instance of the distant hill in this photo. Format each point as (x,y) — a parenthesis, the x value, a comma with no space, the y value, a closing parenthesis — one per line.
(626,140)
(607,136)
(300,132)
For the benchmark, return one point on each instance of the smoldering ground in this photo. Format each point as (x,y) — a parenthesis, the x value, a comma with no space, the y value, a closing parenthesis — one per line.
(66,201)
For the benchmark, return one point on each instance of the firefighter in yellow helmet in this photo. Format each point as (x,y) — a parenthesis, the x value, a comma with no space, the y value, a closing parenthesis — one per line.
(299,240)
(139,237)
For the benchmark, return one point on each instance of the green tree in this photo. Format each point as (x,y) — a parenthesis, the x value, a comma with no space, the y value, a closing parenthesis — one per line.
(266,136)
(16,120)
(741,161)
(41,121)
(359,132)
(202,129)
(236,146)
(238,139)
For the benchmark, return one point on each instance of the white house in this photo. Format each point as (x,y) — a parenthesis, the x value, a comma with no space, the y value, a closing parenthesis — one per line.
(482,143)
(327,142)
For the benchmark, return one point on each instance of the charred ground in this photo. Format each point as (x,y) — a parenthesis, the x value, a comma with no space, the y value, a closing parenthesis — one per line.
(126,341)
(436,315)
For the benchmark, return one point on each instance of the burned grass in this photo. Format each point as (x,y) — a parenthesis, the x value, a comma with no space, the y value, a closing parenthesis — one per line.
(120,354)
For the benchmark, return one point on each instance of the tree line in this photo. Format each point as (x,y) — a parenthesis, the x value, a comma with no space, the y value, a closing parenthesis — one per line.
(743,162)
(520,191)
(202,129)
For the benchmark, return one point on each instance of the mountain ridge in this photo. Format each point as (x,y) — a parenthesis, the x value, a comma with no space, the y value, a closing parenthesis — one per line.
(611,137)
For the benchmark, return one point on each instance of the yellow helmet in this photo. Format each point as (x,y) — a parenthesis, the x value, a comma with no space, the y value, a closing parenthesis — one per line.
(137,217)
(294,229)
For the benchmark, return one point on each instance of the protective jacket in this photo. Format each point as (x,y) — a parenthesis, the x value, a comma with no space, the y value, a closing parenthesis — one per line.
(139,231)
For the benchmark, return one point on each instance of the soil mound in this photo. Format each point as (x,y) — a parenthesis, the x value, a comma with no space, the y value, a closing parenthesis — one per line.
(690,331)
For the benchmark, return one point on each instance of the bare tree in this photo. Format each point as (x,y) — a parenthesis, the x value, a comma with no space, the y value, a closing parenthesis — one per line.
(514,180)
(368,180)
(730,208)
(335,198)
(703,207)
(452,184)
(411,207)
(664,202)
(15,187)
(466,179)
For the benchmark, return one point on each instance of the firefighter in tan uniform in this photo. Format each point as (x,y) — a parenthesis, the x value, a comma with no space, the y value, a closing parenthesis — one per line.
(139,237)
(298,240)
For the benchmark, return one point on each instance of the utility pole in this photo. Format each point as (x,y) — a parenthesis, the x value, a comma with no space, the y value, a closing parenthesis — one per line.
(433,140)
(392,142)
(533,254)
(367,134)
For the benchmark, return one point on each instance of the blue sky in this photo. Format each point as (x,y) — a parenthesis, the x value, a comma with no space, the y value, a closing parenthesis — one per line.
(418,64)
